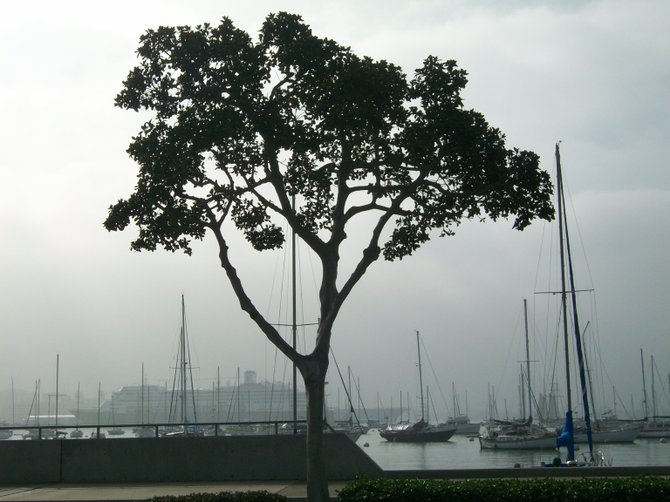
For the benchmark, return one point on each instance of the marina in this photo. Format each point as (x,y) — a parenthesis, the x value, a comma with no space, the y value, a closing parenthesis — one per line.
(460,452)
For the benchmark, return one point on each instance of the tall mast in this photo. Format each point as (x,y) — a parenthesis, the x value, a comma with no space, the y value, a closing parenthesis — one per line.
(57,371)
(351,404)
(142,395)
(564,302)
(644,388)
(453,399)
(579,346)
(13,414)
(99,391)
(653,390)
(418,347)
(218,394)
(565,250)
(294,325)
(183,363)
(525,316)
(78,394)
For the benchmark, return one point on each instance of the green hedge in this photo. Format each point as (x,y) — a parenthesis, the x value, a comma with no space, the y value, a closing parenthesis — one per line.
(508,490)
(260,496)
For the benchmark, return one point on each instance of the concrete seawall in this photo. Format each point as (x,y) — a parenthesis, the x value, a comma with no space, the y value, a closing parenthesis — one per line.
(190,459)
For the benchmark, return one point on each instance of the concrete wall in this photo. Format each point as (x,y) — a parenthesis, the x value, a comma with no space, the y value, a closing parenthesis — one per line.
(30,461)
(175,459)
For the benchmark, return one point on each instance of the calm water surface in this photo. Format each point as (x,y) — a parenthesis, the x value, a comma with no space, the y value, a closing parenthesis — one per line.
(460,452)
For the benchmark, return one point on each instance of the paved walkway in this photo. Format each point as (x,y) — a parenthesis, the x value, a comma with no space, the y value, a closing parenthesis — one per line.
(295,491)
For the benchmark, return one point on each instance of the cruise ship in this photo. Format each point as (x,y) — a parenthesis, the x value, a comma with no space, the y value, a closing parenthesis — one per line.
(250,401)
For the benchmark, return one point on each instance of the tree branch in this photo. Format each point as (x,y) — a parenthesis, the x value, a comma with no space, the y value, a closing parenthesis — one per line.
(245,302)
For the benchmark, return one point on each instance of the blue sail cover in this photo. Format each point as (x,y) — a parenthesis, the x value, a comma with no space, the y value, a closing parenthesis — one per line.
(566,438)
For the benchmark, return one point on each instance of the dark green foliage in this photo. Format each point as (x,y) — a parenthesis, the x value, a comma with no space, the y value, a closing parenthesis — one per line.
(239,126)
(260,496)
(652,489)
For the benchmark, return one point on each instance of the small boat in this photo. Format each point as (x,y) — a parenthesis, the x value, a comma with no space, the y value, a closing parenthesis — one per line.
(421,431)
(115,431)
(656,428)
(76,434)
(144,432)
(461,421)
(462,424)
(45,434)
(516,435)
(601,433)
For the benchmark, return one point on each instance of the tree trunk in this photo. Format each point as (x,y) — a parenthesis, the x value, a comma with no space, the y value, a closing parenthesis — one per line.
(317,481)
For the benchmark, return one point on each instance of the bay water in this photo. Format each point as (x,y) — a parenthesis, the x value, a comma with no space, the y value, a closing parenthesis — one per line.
(462,452)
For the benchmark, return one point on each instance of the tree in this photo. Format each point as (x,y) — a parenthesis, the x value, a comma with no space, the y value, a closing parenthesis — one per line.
(239,128)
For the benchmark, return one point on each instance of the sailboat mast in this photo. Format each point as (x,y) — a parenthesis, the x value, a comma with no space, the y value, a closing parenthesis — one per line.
(453,399)
(182,362)
(564,302)
(418,347)
(579,346)
(525,317)
(57,372)
(78,394)
(653,390)
(99,391)
(644,388)
(142,395)
(13,412)
(565,250)
(294,325)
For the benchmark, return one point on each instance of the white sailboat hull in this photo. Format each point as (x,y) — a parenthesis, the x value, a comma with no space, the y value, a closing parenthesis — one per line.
(518,443)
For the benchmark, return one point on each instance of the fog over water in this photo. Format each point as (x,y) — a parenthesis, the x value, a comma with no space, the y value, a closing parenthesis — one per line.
(591,74)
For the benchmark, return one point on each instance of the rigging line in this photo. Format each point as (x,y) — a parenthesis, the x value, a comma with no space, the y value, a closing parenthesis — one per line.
(302,299)
(533,396)
(360,398)
(439,387)
(654,369)
(346,391)
(272,384)
(579,232)
(273,285)
(190,370)
(232,399)
(503,376)
(172,415)
(288,401)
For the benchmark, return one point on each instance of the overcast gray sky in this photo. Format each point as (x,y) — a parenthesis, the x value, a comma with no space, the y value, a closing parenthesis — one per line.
(592,74)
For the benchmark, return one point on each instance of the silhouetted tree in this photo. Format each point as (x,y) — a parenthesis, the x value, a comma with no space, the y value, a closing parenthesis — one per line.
(238,128)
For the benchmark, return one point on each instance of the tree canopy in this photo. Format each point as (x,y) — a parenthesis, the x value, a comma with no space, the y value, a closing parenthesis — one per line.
(240,128)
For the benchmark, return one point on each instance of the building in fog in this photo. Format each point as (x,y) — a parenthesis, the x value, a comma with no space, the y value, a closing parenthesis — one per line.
(248,401)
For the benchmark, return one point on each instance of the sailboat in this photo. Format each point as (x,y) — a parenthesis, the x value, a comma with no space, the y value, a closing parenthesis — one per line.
(421,431)
(522,434)
(183,378)
(658,426)
(143,431)
(8,433)
(461,421)
(77,433)
(567,435)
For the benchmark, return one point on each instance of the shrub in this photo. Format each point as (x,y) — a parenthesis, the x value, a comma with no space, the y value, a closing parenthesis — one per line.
(253,496)
(508,490)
